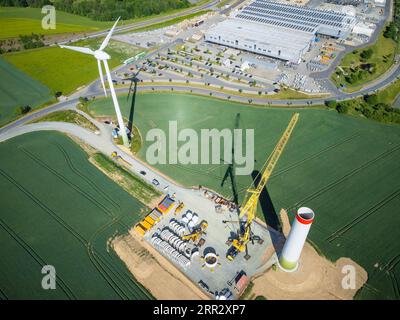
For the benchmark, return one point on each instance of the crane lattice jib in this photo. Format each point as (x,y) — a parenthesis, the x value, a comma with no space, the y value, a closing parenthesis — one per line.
(250,207)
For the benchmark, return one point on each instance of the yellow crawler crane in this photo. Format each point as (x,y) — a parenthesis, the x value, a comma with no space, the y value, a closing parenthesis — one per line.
(250,207)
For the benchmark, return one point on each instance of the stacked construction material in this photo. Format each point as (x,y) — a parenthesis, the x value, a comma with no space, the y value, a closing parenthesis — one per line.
(166,248)
(177,227)
(148,222)
(191,219)
(174,240)
(166,204)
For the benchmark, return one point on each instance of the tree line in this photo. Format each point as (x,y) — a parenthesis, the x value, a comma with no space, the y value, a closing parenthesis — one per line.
(105,10)
(393,29)
(370,107)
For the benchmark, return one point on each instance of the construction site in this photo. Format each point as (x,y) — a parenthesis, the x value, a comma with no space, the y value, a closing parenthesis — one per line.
(219,245)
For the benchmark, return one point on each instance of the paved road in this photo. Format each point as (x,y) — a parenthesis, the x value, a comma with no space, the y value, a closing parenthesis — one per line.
(94,89)
(325,74)
(206,6)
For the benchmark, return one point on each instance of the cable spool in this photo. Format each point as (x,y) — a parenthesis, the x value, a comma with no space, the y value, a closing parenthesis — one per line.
(182,247)
(187,252)
(178,244)
(171,241)
(172,222)
(165,234)
(175,242)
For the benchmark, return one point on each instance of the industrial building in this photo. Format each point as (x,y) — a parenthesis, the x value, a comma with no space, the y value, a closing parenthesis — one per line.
(279,30)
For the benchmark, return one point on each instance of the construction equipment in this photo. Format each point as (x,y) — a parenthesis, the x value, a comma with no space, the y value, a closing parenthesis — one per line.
(197,232)
(239,244)
(114,154)
(179,208)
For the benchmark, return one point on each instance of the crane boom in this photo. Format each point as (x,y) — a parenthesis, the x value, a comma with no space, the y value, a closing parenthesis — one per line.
(250,207)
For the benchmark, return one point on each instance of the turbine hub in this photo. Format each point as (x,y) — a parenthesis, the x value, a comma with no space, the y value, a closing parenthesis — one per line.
(101,55)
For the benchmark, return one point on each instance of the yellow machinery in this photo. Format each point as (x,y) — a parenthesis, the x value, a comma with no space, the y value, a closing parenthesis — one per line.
(197,232)
(114,154)
(250,207)
(179,208)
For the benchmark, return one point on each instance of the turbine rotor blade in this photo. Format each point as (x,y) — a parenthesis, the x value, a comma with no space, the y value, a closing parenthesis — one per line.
(79,49)
(102,77)
(107,39)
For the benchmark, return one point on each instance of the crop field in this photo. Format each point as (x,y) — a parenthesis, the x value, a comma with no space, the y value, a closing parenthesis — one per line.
(65,70)
(58,209)
(18,89)
(345,168)
(16,21)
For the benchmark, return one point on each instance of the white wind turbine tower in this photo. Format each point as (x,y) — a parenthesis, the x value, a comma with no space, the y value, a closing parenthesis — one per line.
(102,56)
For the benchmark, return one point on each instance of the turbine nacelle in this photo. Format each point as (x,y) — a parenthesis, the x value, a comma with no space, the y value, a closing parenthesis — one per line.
(101,55)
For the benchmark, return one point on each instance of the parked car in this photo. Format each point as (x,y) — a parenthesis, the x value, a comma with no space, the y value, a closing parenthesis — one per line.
(155,182)
(143,173)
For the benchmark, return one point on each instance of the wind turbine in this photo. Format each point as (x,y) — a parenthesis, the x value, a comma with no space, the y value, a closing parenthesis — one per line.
(102,56)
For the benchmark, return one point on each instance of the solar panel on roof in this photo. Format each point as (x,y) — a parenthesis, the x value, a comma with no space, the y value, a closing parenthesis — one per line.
(295,17)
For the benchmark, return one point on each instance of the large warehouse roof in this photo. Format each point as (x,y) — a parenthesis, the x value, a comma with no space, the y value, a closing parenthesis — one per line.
(295,17)
(268,40)
(276,36)
(279,30)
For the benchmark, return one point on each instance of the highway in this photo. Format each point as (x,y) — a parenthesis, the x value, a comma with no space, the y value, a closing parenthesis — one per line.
(206,6)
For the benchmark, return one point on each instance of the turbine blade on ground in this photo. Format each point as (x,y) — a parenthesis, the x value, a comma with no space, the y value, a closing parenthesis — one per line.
(78,49)
(102,77)
(107,39)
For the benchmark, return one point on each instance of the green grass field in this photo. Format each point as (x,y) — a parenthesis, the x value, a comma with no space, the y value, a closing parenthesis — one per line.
(15,21)
(58,209)
(18,89)
(65,70)
(69,116)
(345,168)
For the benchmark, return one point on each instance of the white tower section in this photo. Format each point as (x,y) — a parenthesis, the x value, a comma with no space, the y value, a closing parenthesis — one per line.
(288,261)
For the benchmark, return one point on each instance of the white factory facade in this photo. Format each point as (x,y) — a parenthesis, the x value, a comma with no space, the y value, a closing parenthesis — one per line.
(279,30)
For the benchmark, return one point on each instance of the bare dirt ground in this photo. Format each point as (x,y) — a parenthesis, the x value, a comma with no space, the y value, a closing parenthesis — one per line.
(153,271)
(316,277)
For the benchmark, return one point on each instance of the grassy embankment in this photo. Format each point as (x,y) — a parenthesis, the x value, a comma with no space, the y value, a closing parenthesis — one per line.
(69,116)
(135,186)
